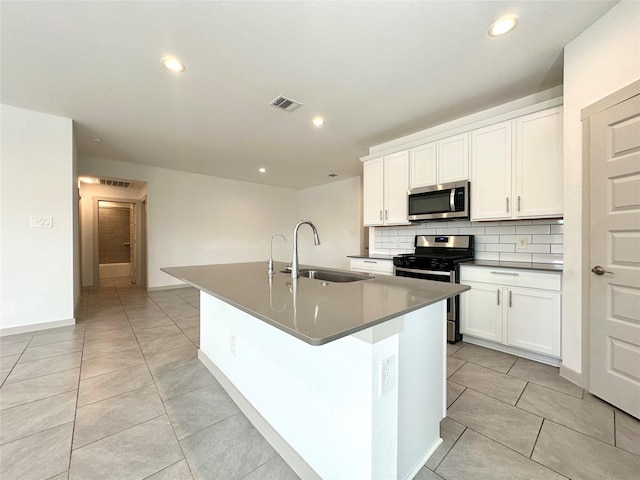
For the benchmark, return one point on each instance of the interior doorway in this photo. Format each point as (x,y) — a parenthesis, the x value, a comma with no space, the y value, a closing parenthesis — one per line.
(116,241)
(119,242)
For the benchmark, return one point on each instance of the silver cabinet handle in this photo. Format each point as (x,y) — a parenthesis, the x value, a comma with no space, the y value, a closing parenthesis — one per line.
(498,292)
(370,261)
(386,214)
(507,204)
(380,214)
(598,270)
(513,274)
(510,299)
(126,244)
(518,202)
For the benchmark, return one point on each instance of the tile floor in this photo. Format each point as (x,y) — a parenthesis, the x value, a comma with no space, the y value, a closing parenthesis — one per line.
(123,395)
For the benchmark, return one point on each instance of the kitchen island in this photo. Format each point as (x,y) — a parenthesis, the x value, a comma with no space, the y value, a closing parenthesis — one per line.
(345,380)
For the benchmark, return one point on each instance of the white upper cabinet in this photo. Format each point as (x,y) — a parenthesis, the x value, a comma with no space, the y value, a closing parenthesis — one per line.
(386,181)
(516,168)
(491,172)
(539,166)
(440,162)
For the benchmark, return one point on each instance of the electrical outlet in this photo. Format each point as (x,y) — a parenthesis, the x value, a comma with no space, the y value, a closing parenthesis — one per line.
(387,374)
(521,243)
(232,345)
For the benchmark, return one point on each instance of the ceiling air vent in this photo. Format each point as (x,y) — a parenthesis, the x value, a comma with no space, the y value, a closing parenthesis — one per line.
(286,104)
(114,183)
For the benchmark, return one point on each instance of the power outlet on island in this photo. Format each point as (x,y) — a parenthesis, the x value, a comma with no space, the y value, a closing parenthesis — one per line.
(388,377)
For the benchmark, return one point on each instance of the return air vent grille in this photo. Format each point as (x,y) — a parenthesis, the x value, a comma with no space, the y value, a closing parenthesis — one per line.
(286,104)
(114,183)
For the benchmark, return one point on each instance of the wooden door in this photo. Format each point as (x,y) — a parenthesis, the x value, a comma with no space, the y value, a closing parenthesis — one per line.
(614,364)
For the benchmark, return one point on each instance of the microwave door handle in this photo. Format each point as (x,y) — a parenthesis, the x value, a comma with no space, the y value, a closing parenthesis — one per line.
(452,200)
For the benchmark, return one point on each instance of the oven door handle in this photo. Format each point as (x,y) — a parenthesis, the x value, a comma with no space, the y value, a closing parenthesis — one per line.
(424,272)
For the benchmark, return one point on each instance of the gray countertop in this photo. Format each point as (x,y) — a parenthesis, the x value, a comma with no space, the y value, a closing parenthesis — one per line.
(314,311)
(549,267)
(373,256)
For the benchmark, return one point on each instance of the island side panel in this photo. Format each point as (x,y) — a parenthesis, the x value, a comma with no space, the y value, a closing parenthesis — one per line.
(422,386)
(318,398)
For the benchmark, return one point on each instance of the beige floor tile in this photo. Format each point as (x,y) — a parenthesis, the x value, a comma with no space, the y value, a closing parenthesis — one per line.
(544,375)
(627,432)
(580,456)
(485,357)
(504,423)
(588,418)
(475,457)
(490,382)
(450,432)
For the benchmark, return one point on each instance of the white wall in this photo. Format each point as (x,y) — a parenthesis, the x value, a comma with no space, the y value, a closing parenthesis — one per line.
(335,209)
(603,59)
(197,219)
(36,264)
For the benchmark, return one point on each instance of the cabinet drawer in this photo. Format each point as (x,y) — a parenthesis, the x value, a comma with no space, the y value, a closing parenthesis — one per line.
(512,277)
(374,265)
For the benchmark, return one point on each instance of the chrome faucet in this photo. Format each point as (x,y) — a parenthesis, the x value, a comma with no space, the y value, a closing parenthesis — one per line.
(295,267)
(271,249)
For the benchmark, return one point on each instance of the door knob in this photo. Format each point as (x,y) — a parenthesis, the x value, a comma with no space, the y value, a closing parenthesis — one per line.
(598,270)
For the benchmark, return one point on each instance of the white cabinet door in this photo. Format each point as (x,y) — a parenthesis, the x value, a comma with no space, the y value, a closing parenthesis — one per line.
(396,178)
(481,311)
(453,159)
(533,320)
(491,172)
(539,164)
(423,165)
(373,173)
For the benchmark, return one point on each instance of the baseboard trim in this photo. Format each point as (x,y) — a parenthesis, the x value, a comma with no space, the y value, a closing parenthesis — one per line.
(574,376)
(280,445)
(33,327)
(537,357)
(167,287)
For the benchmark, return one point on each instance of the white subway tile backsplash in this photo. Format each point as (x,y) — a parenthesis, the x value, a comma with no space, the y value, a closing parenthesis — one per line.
(501,230)
(492,256)
(487,239)
(492,247)
(493,240)
(538,229)
(547,239)
(515,257)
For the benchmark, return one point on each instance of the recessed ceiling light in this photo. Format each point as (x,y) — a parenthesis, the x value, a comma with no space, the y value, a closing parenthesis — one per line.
(318,121)
(503,25)
(173,64)
(88,180)
(262,170)
(96,139)
(332,175)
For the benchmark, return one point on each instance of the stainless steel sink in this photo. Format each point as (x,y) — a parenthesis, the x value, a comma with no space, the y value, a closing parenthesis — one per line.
(333,276)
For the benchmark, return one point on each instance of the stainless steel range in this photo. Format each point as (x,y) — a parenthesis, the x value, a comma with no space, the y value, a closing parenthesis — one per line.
(437,257)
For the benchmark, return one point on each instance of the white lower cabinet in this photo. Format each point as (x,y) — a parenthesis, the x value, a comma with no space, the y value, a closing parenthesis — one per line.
(374,266)
(512,307)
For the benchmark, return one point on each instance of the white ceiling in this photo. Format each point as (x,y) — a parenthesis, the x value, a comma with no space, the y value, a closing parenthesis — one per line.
(375,70)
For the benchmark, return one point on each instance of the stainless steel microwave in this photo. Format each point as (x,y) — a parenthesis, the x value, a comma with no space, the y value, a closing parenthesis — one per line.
(449,201)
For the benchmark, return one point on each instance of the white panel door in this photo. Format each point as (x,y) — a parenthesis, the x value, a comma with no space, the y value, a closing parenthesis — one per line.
(373,174)
(539,164)
(491,172)
(453,159)
(423,164)
(481,311)
(614,364)
(533,320)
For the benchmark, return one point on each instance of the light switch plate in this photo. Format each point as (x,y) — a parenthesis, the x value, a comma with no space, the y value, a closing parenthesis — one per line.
(41,222)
